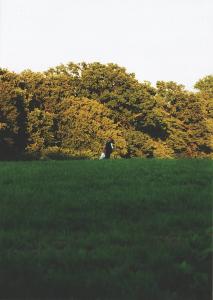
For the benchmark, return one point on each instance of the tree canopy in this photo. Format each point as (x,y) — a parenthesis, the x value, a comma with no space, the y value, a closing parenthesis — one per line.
(70,110)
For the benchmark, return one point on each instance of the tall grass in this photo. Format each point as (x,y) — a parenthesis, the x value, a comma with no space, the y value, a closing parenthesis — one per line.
(118,229)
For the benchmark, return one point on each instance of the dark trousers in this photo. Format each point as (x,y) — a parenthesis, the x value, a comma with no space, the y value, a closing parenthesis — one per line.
(107,155)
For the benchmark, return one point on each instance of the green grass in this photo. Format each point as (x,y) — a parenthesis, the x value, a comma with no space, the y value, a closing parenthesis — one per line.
(118,229)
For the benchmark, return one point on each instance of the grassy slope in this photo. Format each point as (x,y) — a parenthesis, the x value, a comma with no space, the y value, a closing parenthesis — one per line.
(124,229)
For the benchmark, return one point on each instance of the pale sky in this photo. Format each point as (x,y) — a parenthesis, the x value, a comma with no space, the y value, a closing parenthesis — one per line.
(155,39)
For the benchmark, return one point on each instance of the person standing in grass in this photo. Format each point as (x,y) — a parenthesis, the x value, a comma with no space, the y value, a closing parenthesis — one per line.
(109,146)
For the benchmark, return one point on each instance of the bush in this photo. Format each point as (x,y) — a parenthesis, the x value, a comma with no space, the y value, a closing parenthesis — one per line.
(65,153)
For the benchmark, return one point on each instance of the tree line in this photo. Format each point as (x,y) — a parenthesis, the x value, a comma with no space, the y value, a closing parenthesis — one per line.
(70,110)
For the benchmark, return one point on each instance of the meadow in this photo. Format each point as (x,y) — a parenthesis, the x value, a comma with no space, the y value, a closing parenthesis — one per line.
(118,229)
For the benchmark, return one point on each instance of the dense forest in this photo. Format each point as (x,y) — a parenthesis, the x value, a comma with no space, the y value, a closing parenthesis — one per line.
(70,110)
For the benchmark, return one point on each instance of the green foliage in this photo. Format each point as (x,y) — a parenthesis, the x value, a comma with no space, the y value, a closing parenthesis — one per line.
(78,106)
(139,144)
(109,84)
(205,85)
(40,130)
(205,95)
(113,86)
(13,134)
(188,130)
(85,125)
(153,118)
(61,153)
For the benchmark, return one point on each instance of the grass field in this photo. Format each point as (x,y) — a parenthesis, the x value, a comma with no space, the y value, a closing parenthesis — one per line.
(119,229)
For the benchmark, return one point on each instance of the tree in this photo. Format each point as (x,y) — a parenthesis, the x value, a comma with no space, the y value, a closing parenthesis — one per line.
(13,135)
(109,84)
(205,95)
(153,118)
(40,130)
(187,128)
(114,87)
(85,125)
(205,85)
(74,108)
(45,90)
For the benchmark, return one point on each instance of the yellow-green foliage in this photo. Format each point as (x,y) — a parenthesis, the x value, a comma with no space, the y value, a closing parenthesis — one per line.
(40,130)
(71,110)
(85,125)
(139,144)
(55,152)
(12,115)
(161,150)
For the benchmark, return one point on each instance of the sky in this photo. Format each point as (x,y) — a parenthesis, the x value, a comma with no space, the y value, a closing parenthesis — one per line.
(155,39)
